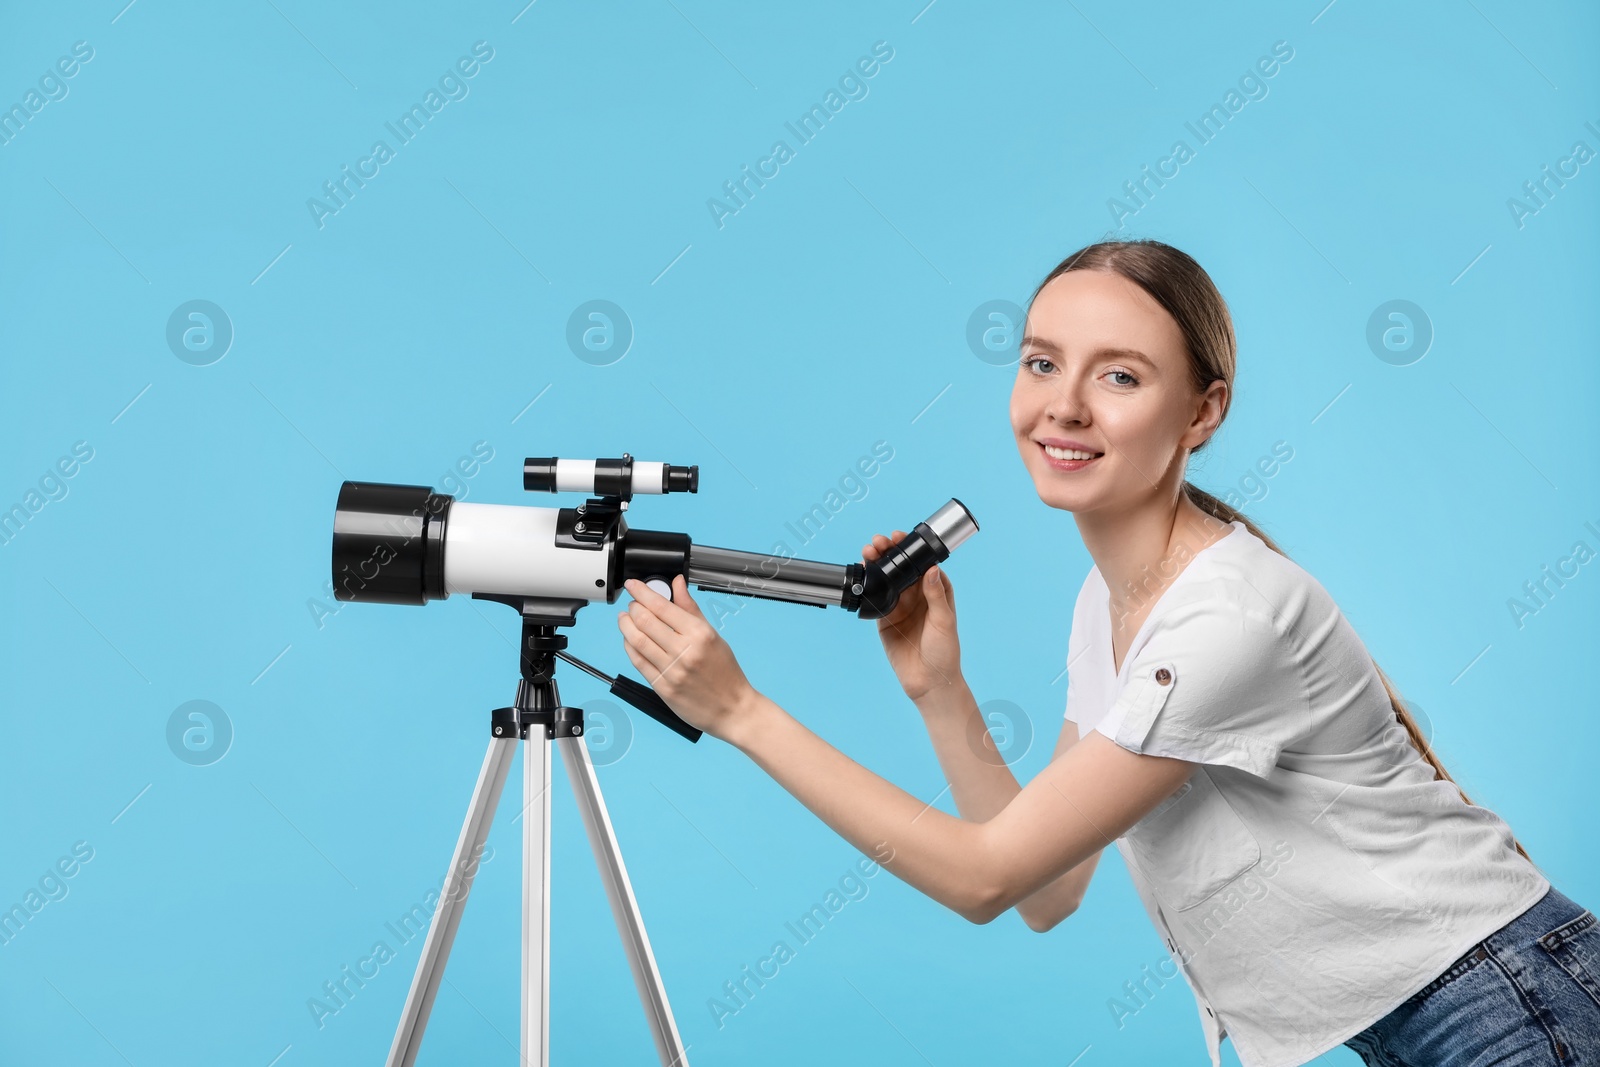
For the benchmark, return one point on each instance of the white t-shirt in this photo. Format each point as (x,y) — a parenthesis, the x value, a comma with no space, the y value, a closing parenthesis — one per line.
(1312,873)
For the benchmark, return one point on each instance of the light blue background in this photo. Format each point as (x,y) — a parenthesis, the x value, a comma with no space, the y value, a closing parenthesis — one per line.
(829,313)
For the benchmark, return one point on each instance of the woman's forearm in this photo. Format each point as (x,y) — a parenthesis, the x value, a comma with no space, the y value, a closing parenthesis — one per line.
(982,785)
(980,781)
(933,851)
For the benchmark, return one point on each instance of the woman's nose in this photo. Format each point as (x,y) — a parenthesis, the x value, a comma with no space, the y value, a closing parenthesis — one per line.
(1065,404)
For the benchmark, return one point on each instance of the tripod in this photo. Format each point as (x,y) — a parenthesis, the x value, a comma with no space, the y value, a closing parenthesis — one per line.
(538,705)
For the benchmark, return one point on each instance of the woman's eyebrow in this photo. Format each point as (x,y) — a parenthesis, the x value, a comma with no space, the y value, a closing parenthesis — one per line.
(1131,354)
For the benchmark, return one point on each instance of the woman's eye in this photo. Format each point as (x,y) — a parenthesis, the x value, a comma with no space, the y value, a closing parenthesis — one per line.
(1039,367)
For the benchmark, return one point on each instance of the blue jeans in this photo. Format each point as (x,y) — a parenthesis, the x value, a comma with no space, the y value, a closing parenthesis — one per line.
(1526,995)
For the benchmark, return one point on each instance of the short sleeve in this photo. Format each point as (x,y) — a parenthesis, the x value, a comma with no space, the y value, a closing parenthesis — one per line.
(1076,641)
(1214,683)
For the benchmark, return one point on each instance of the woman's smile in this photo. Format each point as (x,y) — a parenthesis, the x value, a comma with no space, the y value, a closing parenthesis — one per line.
(1067,459)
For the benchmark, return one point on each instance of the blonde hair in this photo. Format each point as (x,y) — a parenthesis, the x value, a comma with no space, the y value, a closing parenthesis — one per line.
(1185,290)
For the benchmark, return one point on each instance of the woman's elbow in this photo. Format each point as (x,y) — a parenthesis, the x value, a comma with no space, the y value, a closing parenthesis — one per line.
(1041,923)
(1037,921)
(983,905)
(989,904)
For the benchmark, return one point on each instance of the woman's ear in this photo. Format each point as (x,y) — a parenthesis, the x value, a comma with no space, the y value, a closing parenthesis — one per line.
(1208,415)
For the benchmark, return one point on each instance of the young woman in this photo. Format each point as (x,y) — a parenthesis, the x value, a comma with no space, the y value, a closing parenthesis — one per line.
(1316,875)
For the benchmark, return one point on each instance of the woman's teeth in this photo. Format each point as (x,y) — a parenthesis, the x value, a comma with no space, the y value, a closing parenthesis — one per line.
(1068,453)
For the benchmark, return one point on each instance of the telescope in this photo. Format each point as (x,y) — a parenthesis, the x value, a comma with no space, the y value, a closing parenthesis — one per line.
(407,544)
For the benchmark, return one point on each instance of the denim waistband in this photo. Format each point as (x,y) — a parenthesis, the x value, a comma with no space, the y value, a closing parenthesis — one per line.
(1547,916)
(1552,910)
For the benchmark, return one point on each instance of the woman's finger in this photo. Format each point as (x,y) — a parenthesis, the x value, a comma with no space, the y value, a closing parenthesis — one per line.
(681,597)
(651,624)
(640,642)
(640,664)
(668,612)
(881,544)
(941,599)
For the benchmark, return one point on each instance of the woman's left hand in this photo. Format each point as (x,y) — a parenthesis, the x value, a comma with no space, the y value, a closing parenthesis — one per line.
(683,657)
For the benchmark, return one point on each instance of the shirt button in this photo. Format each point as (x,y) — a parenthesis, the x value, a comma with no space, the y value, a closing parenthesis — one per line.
(1163,676)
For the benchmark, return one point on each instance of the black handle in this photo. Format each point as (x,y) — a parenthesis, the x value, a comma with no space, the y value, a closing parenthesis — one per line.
(648,701)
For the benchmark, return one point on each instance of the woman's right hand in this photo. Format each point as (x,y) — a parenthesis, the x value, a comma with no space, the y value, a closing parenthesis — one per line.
(919,635)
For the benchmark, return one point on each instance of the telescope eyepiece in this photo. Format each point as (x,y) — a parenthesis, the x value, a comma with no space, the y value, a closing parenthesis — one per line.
(927,544)
(682,479)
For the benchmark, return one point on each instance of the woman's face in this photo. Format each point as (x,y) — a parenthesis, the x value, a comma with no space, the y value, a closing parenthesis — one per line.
(1103,368)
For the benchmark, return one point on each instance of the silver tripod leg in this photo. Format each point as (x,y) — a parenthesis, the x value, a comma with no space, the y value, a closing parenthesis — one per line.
(536,899)
(624,908)
(452,900)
